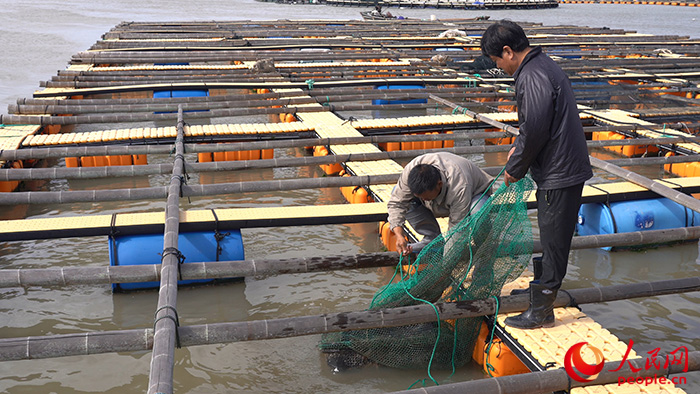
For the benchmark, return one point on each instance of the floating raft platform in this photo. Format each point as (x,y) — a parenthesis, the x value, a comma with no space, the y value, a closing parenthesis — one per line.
(355,90)
(454,4)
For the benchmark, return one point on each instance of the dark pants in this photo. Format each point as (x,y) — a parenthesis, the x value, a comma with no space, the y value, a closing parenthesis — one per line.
(557,212)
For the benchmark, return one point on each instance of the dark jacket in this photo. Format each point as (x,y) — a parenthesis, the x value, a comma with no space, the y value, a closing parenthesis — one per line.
(551,142)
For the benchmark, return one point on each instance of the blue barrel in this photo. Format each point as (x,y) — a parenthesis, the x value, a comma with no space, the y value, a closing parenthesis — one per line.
(413,101)
(196,247)
(180,93)
(637,215)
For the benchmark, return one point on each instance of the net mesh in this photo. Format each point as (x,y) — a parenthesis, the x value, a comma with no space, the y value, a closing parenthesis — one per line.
(473,261)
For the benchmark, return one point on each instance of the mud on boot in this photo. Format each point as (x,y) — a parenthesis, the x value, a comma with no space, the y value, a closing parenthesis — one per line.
(541,310)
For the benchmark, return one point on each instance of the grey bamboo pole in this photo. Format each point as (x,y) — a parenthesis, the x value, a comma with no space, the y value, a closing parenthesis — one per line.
(166,318)
(426,81)
(557,380)
(69,276)
(143,117)
(134,340)
(665,191)
(109,150)
(152,169)
(58,197)
(317,91)
(16,109)
(23,174)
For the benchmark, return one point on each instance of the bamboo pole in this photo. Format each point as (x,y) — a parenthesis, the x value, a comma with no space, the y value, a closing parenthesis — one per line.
(166,318)
(426,81)
(70,276)
(218,333)
(114,149)
(317,91)
(107,150)
(153,169)
(557,380)
(58,197)
(288,101)
(23,174)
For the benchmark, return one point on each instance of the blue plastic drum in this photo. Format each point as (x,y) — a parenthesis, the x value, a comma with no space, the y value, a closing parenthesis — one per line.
(196,247)
(391,87)
(637,215)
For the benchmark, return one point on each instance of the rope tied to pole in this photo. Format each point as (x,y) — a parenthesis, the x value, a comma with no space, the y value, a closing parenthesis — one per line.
(178,254)
(182,179)
(310,83)
(572,300)
(218,236)
(112,234)
(490,368)
(175,320)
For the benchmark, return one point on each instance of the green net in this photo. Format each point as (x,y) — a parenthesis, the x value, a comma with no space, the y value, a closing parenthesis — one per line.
(473,261)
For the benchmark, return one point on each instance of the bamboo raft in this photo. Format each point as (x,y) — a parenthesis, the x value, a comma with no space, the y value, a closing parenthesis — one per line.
(689,3)
(454,4)
(318,84)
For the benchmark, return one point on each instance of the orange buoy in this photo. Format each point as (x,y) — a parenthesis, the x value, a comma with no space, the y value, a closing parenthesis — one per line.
(139,160)
(501,361)
(480,344)
(72,162)
(87,161)
(205,157)
(219,156)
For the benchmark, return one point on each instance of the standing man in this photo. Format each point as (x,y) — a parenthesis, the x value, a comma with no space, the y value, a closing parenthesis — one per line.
(552,146)
(434,185)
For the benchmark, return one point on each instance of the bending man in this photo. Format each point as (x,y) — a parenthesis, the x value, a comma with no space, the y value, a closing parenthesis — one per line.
(434,185)
(552,146)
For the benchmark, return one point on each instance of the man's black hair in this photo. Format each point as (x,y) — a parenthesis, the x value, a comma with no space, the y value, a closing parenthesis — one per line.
(423,178)
(503,33)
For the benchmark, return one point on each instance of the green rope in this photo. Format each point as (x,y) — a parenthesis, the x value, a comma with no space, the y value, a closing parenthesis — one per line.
(2,125)
(490,368)
(437,313)
(396,271)
(310,83)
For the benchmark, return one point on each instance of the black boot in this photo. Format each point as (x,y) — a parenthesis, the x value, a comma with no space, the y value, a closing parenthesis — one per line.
(537,270)
(540,313)
(520,291)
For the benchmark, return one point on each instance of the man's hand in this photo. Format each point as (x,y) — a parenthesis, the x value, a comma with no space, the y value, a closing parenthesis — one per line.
(402,245)
(509,178)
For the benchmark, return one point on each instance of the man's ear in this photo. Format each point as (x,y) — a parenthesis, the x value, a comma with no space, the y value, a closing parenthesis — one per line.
(507,53)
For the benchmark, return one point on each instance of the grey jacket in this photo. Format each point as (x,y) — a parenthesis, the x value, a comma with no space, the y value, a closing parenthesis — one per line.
(551,142)
(461,180)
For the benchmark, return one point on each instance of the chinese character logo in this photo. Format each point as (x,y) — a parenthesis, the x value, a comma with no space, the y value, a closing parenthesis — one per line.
(574,364)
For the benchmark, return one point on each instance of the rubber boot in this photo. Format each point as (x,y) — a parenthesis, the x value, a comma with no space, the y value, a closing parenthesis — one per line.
(537,268)
(520,291)
(541,310)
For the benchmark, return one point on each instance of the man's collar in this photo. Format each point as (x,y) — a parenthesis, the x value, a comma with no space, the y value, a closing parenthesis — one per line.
(534,51)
